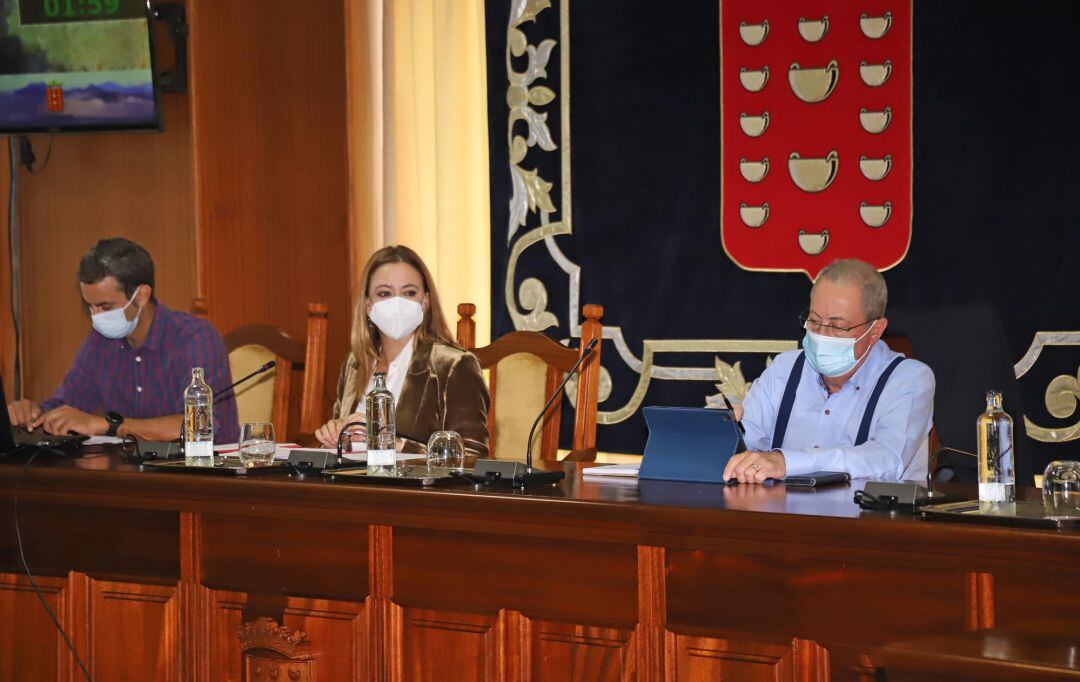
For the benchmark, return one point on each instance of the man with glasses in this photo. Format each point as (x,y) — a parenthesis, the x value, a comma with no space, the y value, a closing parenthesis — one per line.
(130,373)
(845,402)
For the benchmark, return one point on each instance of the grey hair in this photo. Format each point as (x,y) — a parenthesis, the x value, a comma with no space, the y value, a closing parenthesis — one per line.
(875,295)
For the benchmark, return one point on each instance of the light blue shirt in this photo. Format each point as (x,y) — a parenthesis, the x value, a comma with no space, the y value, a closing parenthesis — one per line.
(822,429)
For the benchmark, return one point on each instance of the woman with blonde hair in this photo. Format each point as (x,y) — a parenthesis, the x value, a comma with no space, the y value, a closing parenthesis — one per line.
(399,328)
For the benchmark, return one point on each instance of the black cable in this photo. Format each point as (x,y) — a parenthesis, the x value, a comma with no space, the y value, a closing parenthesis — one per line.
(13,259)
(341,434)
(48,155)
(26,566)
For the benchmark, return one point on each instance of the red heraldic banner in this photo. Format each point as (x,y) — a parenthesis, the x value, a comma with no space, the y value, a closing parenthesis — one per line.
(816,134)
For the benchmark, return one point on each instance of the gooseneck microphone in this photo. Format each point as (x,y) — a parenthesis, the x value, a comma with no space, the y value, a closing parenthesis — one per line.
(585,353)
(225,391)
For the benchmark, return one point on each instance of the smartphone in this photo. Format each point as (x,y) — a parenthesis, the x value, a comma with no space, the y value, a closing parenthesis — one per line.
(817,479)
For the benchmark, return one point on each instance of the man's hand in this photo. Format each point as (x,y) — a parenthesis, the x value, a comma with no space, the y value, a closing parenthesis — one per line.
(328,432)
(755,467)
(25,413)
(66,419)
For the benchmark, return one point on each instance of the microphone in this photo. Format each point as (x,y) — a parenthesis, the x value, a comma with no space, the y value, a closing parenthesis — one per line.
(585,353)
(265,368)
(507,473)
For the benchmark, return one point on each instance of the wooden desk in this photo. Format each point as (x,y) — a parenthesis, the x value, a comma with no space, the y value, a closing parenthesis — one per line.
(152,574)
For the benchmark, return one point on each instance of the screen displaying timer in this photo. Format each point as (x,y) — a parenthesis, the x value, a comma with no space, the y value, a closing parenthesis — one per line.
(62,11)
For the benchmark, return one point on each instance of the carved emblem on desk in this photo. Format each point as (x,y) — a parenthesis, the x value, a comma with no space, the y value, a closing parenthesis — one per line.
(276,652)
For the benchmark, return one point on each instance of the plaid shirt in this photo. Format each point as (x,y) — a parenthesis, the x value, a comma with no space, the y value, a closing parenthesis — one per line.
(149,381)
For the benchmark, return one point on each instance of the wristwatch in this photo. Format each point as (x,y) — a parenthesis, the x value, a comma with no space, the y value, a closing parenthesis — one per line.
(115,419)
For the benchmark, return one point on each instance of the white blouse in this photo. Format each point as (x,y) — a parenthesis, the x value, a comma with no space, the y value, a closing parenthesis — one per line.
(395,377)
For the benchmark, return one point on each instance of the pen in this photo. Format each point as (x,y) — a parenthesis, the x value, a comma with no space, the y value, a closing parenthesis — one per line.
(742,429)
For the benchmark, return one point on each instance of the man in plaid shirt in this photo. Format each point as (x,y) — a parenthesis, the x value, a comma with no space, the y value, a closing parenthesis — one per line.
(130,373)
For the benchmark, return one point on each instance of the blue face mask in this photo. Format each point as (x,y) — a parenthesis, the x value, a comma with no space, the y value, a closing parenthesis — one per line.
(830,356)
(113,324)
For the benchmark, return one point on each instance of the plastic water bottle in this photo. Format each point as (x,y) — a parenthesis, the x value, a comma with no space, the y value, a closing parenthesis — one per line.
(381,430)
(997,480)
(198,422)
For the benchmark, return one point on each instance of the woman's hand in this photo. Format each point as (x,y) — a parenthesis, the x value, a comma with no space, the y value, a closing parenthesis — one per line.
(328,432)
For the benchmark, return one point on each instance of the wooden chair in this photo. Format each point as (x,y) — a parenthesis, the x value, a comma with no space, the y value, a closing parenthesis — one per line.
(524,368)
(266,398)
(899,343)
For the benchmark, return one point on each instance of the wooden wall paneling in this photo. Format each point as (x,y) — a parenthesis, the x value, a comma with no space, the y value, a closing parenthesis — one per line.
(136,631)
(651,635)
(446,645)
(338,634)
(544,579)
(1018,599)
(698,659)
(58,538)
(781,597)
(564,651)
(30,646)
(384,619)
(224,616)
(270,165)
(285,557)
(194,603)
(76,622)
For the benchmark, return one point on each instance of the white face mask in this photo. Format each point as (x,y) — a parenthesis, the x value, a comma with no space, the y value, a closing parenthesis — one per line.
(397,317)
(113,324)
(831,356)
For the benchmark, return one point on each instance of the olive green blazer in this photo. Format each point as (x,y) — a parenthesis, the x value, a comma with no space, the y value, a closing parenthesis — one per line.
(443,391)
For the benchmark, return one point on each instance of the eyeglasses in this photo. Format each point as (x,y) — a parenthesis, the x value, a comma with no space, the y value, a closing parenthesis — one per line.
(828,329)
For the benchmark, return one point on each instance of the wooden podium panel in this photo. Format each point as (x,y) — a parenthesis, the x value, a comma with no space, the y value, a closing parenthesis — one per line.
(135,629)
(169,576)
(32,649)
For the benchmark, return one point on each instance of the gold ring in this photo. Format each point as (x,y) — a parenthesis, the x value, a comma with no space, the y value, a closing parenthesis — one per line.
(755,466)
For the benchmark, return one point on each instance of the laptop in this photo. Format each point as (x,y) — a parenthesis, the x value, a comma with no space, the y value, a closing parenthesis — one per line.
(13,439)
(689,444)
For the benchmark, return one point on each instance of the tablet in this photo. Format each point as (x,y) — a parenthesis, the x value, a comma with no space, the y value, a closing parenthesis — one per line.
(689,444)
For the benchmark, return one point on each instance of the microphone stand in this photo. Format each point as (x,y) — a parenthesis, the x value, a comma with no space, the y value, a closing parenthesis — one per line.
(265,368)
(533,477)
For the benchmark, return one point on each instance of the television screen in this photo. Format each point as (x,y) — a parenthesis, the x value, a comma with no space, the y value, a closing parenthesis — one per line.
(77,65)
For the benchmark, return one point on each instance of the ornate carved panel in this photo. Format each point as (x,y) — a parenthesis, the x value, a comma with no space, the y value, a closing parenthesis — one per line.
(337,632)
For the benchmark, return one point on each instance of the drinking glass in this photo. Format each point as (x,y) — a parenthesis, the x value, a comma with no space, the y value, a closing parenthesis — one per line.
(1061,488)
(445,449)
(257,444)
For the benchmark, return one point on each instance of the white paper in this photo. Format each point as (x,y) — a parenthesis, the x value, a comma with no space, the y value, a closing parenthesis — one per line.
(628,470)
(103,440)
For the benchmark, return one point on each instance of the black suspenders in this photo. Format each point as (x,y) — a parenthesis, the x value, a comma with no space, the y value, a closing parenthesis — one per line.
(788,402)
(792,387)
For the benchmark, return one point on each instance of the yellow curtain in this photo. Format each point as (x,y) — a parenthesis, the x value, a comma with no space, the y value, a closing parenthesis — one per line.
(418,141)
